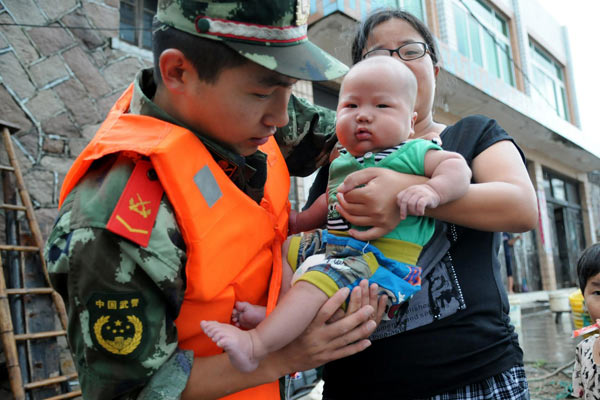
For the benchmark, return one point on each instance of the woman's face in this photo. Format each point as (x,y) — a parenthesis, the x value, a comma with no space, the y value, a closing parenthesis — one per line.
(390,35)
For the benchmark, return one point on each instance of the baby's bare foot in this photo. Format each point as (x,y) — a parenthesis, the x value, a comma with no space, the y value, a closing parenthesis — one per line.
(236,343)
(246,315)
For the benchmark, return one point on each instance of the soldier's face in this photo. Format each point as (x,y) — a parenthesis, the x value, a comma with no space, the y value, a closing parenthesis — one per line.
(242,109)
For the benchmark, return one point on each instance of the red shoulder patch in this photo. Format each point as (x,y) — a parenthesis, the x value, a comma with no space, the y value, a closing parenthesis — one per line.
(136,210)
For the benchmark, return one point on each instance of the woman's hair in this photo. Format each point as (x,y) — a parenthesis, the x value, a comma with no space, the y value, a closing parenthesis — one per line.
(382,15)
(588,265)
(209,57)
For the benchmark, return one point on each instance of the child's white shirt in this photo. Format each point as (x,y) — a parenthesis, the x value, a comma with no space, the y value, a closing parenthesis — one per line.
(586,382)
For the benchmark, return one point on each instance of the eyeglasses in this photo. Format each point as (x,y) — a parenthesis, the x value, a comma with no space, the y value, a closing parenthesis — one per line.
(407,52)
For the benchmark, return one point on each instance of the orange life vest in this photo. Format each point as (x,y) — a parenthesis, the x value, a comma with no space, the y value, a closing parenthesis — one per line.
(233,243)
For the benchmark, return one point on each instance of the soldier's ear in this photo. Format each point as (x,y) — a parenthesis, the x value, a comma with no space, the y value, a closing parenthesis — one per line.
(174,70)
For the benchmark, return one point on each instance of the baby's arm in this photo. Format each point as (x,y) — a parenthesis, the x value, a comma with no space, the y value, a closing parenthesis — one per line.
(310,219)
(450,177)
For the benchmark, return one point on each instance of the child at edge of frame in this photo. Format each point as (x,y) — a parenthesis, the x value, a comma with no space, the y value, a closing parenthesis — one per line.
(375,120)
(586,382)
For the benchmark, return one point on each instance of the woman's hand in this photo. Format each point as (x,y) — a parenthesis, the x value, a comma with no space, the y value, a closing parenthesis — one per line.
(329,338)
(368,198)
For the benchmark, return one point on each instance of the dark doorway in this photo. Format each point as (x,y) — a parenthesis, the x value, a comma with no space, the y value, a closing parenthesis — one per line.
(566,223)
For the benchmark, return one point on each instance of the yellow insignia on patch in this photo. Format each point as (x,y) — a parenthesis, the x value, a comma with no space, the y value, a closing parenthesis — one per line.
(302,12)
(117,322)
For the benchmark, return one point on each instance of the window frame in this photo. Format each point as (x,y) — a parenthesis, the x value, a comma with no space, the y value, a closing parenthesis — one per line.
(401,4)
(140,10)
(500,37)
(550,70)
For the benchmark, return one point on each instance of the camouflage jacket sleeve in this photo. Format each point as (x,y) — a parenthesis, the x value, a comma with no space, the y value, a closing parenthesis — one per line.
(308,138)
(122,299)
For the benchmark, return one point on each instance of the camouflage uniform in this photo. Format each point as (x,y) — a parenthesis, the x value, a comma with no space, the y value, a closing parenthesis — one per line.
(95,269)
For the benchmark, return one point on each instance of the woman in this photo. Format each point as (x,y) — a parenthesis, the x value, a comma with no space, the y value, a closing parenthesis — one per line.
(454,341)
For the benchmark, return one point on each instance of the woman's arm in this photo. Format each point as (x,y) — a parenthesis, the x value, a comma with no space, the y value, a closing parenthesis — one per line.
(501,199)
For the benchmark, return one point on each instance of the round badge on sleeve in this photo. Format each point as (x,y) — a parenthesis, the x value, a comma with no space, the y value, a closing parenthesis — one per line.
(302,12)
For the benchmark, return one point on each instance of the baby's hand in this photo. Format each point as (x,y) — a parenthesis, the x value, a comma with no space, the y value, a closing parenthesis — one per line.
(414,199)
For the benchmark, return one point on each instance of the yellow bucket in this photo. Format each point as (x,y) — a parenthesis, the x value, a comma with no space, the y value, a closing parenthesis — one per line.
(579,313)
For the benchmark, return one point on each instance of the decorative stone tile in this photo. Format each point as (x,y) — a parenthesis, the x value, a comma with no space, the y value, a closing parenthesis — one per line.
(50,40)
(14,76)
(53,163)
(106,103)
(56,8)
(121,73)
(60,125)
(86,72)
(77,101)
(25,11)
(11,111)
(103,17)
(48,70)
(45,218)
(76,146)
(29,141)
(40,185)
(54,146)
(18,40)
(44,105)
(90,38)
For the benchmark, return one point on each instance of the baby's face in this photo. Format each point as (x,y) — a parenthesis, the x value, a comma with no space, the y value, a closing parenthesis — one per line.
(374,112)
(592,296)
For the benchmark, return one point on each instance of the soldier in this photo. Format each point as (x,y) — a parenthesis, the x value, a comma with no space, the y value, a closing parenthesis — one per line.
(152,234)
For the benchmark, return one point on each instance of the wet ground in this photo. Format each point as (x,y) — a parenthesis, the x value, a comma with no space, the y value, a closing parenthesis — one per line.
(545,338)
(548,352)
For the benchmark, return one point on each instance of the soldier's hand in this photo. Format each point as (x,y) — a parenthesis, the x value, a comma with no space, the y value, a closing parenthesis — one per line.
(363,295)
(325,341)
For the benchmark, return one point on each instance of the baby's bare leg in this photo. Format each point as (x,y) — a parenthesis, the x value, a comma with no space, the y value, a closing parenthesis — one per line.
(248,316)
(289,319)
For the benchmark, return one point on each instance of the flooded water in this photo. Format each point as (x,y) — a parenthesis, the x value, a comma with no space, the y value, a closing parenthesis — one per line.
(543,339)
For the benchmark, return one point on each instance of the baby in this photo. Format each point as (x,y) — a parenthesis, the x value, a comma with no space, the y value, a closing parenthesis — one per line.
(375,119)
(587,358)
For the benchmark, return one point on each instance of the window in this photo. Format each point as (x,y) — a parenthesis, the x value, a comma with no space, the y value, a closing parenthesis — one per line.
(415,7)
(548,81)
(136,22)
(483,36)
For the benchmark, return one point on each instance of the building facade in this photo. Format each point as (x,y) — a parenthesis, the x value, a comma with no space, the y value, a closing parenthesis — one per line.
(63,63)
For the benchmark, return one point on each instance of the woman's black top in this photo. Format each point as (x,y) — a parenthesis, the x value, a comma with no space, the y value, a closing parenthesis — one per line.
(456,330)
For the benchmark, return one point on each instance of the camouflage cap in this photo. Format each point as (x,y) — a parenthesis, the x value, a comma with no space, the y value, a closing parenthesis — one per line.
(272,33)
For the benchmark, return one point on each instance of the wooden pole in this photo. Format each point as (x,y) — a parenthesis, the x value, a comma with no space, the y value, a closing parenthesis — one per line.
(8,340)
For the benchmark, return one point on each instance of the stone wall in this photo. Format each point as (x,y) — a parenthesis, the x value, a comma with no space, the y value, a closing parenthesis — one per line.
(57,83)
